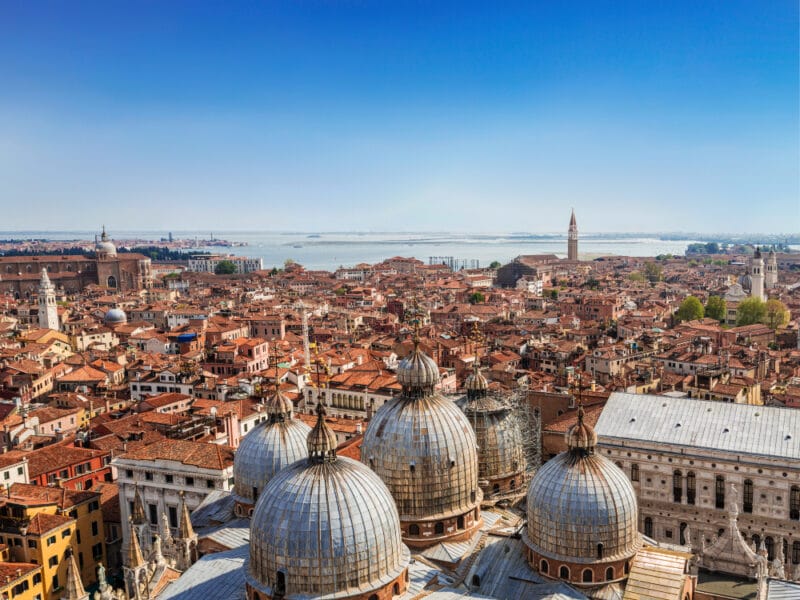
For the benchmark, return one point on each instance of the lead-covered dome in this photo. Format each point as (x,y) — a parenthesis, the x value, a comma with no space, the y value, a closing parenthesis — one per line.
(105,248)
(423,448)
(581,507)
(269,447)
(326,527)
(418,371)
(115,316)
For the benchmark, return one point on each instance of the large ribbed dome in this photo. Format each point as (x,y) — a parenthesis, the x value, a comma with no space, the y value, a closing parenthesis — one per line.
(581,507)
(105,248)
(423,448)
(325,527)
(268,448)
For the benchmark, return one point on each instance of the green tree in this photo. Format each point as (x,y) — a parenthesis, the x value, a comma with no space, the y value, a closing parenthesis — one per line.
(776,315)
(554,294)
(476,298)
(225,267)
(751,310)
(690,309)
(653,272)
(716,308)
(495,264)
(637,277)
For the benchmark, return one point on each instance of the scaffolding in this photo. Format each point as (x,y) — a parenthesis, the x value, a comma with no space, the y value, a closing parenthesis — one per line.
(530,425)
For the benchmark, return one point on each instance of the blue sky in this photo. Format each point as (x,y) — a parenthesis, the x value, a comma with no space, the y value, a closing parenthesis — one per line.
(414,116)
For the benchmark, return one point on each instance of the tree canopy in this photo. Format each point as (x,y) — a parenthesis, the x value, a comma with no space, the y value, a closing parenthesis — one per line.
(716,308)
(476,298)
(653,272)
(750,311)
(225,267)
(776,314)
(690,309)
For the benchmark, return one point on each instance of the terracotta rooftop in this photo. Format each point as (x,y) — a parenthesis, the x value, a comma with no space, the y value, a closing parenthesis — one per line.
(207,456)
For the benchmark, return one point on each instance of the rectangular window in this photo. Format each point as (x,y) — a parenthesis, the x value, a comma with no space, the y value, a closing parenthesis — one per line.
(55,582)
(52,561)
(209,483)
(190,481)
(169,478)
(794,503)
(677,486)
(148,476)
(94,505)
(37,578)
(78,535)
(65,533)
(747,496)
(128,473)
(173,515)
(95,528)
(6,475)
(97,551)
(19,471)
(691,488)
(719,489)
(51,540)
(31,543)
(153,513)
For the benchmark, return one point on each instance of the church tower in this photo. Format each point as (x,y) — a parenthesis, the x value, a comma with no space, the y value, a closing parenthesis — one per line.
(572,238)
(48,311)
(757,275)
(771,277)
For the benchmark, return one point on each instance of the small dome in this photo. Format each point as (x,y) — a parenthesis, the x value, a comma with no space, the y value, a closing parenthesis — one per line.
(280,406)
(476,382)
(581,436)
(325,526)
(746,282)
(105,248)
(418,372)
(262,453)
(115,316)
(581,507)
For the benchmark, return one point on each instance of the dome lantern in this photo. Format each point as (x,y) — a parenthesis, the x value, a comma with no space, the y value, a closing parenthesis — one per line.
(321,440)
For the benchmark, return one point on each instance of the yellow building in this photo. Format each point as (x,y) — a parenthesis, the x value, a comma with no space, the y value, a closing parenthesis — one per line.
(21,581)
(39,523)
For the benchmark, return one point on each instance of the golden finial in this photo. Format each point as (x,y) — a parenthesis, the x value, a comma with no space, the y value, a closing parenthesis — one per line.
(415,323)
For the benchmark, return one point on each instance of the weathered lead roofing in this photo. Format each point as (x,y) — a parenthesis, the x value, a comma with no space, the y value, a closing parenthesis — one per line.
(216,576)
(702,424)
(268,448)
(332,529)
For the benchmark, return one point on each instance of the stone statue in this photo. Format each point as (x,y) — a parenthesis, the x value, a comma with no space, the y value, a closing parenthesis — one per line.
(101,576)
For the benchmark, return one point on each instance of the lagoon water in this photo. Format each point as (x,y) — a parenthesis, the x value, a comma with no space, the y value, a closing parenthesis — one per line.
(330,250)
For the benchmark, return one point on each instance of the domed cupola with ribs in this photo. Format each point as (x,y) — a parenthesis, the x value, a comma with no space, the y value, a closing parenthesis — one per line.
(423,448)
(327,528)
(582,515)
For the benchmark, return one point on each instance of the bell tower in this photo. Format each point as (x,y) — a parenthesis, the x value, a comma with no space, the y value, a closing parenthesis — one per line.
(48,311)
(572,238)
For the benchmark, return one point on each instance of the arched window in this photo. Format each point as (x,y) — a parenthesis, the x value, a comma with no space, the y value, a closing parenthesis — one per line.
(28,268)
(770,545)
(756,540)
(544,566)
(112,281)
(609,573)
(634,472)
(719,489)
(691,487)
(627,568)
(438,528)
(794,503)
(460,522)
(588,575)
(512,485)
(796,553)
(747,496)
(413,529)
(563,572)
(648,527)
(619,464)
(396,589)
(599,550)
(495,489)
(677,486)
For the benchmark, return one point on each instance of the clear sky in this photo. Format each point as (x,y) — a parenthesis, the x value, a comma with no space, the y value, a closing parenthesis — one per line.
(413,116)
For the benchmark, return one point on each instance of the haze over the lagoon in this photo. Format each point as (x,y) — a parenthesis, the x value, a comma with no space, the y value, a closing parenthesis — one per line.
(410,118)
